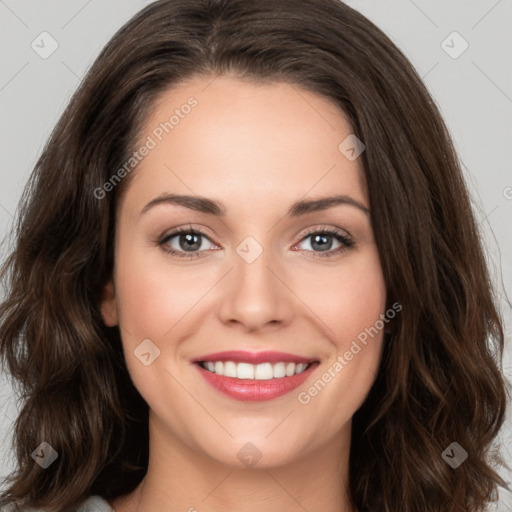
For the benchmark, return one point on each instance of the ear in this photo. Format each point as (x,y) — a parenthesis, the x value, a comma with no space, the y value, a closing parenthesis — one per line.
(108,305)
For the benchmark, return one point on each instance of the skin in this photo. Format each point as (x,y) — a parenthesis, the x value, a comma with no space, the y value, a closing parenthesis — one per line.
(256,149)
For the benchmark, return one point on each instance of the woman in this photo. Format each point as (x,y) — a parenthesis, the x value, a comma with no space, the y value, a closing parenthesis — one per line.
(248,277)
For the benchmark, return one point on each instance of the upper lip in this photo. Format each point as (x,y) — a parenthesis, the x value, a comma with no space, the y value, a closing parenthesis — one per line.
(242,356)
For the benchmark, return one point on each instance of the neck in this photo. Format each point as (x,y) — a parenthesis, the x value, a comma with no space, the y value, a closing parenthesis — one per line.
(181,478)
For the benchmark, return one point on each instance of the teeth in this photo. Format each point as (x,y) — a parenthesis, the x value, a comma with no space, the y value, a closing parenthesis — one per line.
(300,368)
(243,371)
(278,371)
(290,369)
(263,371)
(229,369)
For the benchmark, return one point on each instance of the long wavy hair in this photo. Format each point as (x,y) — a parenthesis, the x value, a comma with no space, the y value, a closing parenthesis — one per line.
(440,377)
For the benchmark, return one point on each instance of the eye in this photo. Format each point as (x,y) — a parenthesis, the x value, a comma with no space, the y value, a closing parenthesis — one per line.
(184,243)
(189,243)
(321,241)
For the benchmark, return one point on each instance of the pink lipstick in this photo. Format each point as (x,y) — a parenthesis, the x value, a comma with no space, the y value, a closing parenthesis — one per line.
(254,376)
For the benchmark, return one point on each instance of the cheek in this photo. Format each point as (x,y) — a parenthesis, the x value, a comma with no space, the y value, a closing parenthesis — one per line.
(348,299)
(156,301)
(151,294)
(149,304)
(361,301)
(142,298)
(349,303)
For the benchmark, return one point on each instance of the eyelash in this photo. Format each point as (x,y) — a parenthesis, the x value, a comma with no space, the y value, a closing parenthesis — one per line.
(346,242)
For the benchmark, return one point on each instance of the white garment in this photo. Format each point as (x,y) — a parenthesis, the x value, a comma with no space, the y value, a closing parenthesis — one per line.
(96,504)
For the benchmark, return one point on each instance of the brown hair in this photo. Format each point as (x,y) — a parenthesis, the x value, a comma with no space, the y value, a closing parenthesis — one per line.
(439,379)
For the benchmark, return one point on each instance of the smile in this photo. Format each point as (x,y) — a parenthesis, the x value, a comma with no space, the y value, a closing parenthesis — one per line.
(254,377)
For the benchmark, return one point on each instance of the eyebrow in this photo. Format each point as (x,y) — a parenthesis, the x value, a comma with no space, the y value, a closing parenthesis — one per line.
(205,205)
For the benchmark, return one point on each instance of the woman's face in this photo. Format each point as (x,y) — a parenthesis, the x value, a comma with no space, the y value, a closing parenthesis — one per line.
(262,276)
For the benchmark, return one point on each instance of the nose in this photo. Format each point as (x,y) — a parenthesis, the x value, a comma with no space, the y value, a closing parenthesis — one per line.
(255,295)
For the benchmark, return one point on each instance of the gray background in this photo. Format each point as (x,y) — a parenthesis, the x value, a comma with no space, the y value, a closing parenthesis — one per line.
(473,92)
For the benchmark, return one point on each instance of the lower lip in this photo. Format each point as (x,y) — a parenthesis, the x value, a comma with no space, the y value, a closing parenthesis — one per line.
(255,390)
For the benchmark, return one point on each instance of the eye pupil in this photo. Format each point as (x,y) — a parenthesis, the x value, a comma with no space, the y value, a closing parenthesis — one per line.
(192,239)
(320,239)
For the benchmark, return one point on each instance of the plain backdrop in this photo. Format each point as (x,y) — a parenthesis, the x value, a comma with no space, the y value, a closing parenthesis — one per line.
(461,48)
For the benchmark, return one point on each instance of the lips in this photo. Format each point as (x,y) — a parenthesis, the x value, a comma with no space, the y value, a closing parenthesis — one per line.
(250,376)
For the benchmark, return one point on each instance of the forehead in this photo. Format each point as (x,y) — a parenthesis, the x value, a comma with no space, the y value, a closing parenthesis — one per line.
(225,137)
